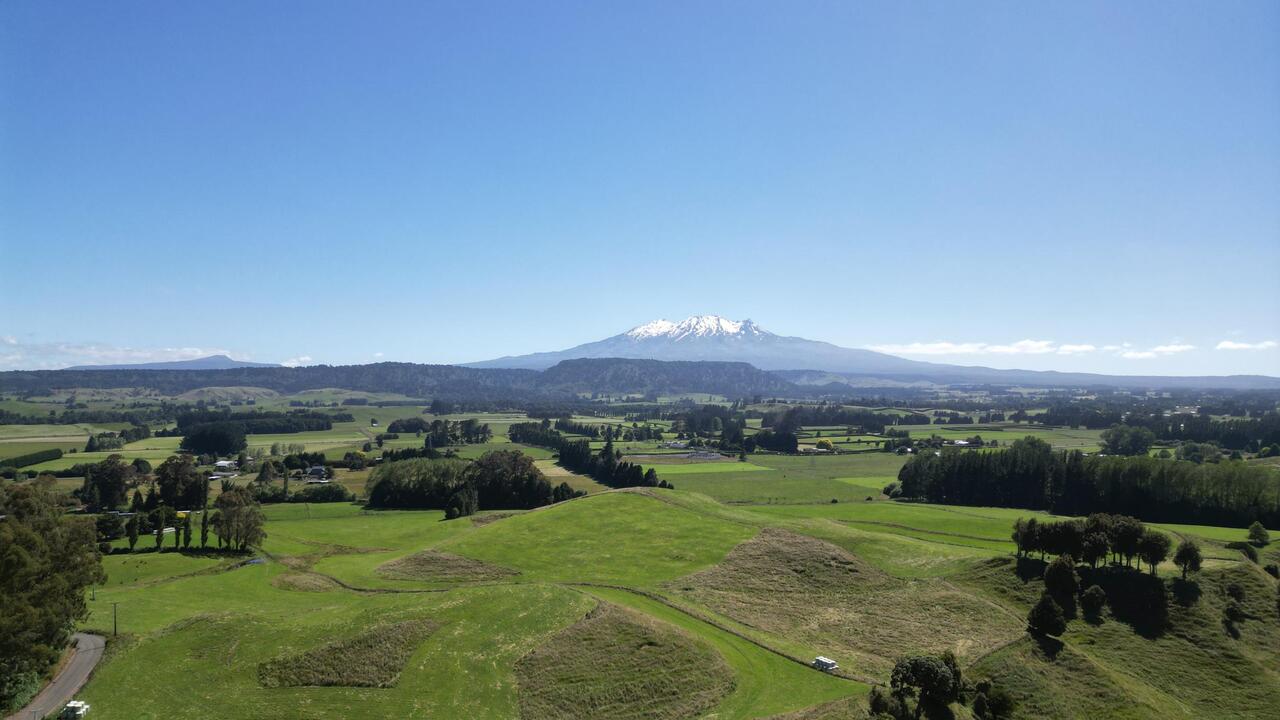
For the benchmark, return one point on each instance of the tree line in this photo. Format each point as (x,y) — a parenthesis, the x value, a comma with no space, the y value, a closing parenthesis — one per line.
(440,433)
(31,458)
(1029,474)
(606,467)
(870,421)
(1238,433)
(48,560)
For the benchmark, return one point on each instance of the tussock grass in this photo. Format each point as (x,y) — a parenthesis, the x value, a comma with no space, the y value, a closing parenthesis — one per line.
(370,659)
(616,663)
(435,566)
(482,520)
(811,591)
(304,582)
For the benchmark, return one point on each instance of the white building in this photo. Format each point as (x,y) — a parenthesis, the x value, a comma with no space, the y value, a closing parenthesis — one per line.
(825,664)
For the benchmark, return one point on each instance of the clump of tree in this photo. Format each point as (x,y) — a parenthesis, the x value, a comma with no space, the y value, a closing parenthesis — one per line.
(772,440)
(1093,539)
(440,433)
(180,484)
(500,480)
(215,438)
(48,560)
(106,484)
(1127,440)
(237,519)
(926,685)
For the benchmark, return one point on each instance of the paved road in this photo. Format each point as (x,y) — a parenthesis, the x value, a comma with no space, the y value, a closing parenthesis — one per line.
(88,651)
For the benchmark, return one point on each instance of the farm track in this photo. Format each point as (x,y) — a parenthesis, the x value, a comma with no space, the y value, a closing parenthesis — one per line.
(900,526)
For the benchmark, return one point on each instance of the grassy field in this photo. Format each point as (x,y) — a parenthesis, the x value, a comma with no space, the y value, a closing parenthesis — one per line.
(193,618)
(705,601)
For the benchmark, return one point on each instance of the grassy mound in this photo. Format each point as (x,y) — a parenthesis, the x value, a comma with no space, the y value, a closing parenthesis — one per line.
(809,590)
(370,659)
(619,664)
(434,566)
(617,537)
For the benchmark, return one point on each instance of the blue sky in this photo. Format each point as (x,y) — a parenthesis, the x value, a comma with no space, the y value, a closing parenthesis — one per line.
(984,183)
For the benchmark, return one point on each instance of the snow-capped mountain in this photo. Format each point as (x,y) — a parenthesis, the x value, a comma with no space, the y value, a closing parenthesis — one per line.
(711,337)
(697,326)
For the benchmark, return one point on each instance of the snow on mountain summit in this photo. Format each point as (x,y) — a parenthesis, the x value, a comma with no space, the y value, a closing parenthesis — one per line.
(695,326)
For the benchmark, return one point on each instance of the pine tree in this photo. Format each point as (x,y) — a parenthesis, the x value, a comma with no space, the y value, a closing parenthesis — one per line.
(1258,534)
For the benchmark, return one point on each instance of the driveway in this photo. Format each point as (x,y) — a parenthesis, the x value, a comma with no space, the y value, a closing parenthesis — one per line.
(88,651)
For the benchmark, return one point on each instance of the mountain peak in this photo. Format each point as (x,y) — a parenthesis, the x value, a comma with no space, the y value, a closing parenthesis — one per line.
(694,326)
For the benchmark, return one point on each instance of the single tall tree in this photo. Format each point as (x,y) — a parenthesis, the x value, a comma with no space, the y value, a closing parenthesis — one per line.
(131,529)
(1060,579)
(1046,618)
(1153,548)
(1187,557)
(1258,534)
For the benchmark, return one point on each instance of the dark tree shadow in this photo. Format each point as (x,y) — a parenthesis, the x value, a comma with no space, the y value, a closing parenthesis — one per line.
(1186,592)
(1137,599)
(1048,645)
(936,711)
(1067,601)
(1029,569)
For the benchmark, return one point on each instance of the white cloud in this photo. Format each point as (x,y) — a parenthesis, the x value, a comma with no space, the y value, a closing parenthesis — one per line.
(1127,351)
(1075,349)
(297,361)
(1021,347)
(1024,347)
(9,340)
(377,354)
(1232,345)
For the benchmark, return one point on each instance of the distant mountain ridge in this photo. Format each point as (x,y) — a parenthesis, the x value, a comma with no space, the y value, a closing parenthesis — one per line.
(566,381)
(813,363)
(212,362)
(711,337)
